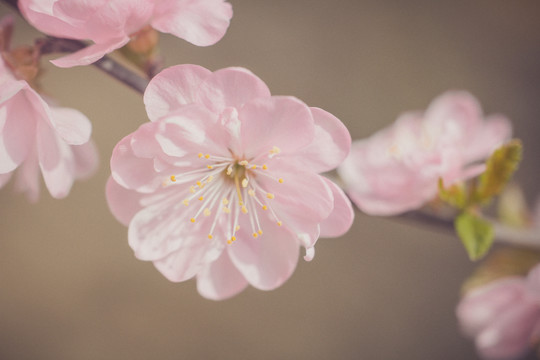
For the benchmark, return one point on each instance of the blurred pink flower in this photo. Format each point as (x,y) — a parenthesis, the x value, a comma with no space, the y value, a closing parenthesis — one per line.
(34,136)
(397,169)
(223,182)
(111,23)
(504,316)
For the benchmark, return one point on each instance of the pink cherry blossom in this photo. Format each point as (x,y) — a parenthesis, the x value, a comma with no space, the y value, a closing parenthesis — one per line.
(35,136)
(223,183)
(109,24)
(504,316)
(397,169)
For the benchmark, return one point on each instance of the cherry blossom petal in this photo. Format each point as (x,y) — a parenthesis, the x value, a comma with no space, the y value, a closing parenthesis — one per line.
(331,145)
(220,279)
(509,336)
(341,217)
(16,132)
(313,202)
(123,203)
(172,88)
(479,308)
(282,122)
(269,260)
(71,125)
(91,53)
(40,14)
(231,87)
(496,130)
(55,161)
(202,23)
(133,172)
(27,178)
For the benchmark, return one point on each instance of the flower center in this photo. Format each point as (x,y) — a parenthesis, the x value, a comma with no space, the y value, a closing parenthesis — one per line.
(226,188)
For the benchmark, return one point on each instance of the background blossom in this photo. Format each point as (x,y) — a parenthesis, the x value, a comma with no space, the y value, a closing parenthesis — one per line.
(111,23)
(223,183)
(397,169)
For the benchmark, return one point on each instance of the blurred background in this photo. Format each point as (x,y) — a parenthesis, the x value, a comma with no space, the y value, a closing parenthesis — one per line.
(70,287)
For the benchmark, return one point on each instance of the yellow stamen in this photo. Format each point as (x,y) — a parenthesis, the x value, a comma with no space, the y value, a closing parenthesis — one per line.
(254,167)
(209,166)
(237,227)
(244,163)
(207,156)
(210,236)
(173,178)
(201,198)
(226,210)
(198,183)
(279,223)
(275,150)
(245,183)
(229,242)
(207,212)
(265,167)
(265,207)
(192,220)
(270,195)
(229,171)
(251,192)
(280,180)
(200,155)
(192,189)
(255,234)
(233,238)
(244,209)
(260,232)
(225,201)
(185,202)
(210,178)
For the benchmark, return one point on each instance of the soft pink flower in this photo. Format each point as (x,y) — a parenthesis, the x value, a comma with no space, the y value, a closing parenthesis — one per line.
(223,183)
(111,23)
(35,136)
(504,316)
(397,169)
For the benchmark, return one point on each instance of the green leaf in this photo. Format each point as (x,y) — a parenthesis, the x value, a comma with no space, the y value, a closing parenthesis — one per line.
(475,233)
(454,195)
(499,169)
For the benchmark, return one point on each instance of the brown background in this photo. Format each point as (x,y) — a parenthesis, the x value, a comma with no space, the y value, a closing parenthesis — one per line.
(70,287)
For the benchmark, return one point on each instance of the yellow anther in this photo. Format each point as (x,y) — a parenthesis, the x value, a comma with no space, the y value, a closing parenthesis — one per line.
(192,189)
(233,238)
(244,209)
(265,167)
(226,210)
(210,236)
(199,184)
(229,171)
(251,192)
(200,155)
(244,163)
(210,178)
(192,220)
(255,234)
(275,150)
(173,178)
(209,166)
(270,195)
(207,156)
(185,202)
(201,198)
(265,207)
(279,223)
(229,242)
(207,212)
(260,232)
(254,167)
(237,228)
(225,201)
(280,180)
(245,183)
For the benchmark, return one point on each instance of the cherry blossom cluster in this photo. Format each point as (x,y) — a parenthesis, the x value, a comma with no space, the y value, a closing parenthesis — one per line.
(223,183)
